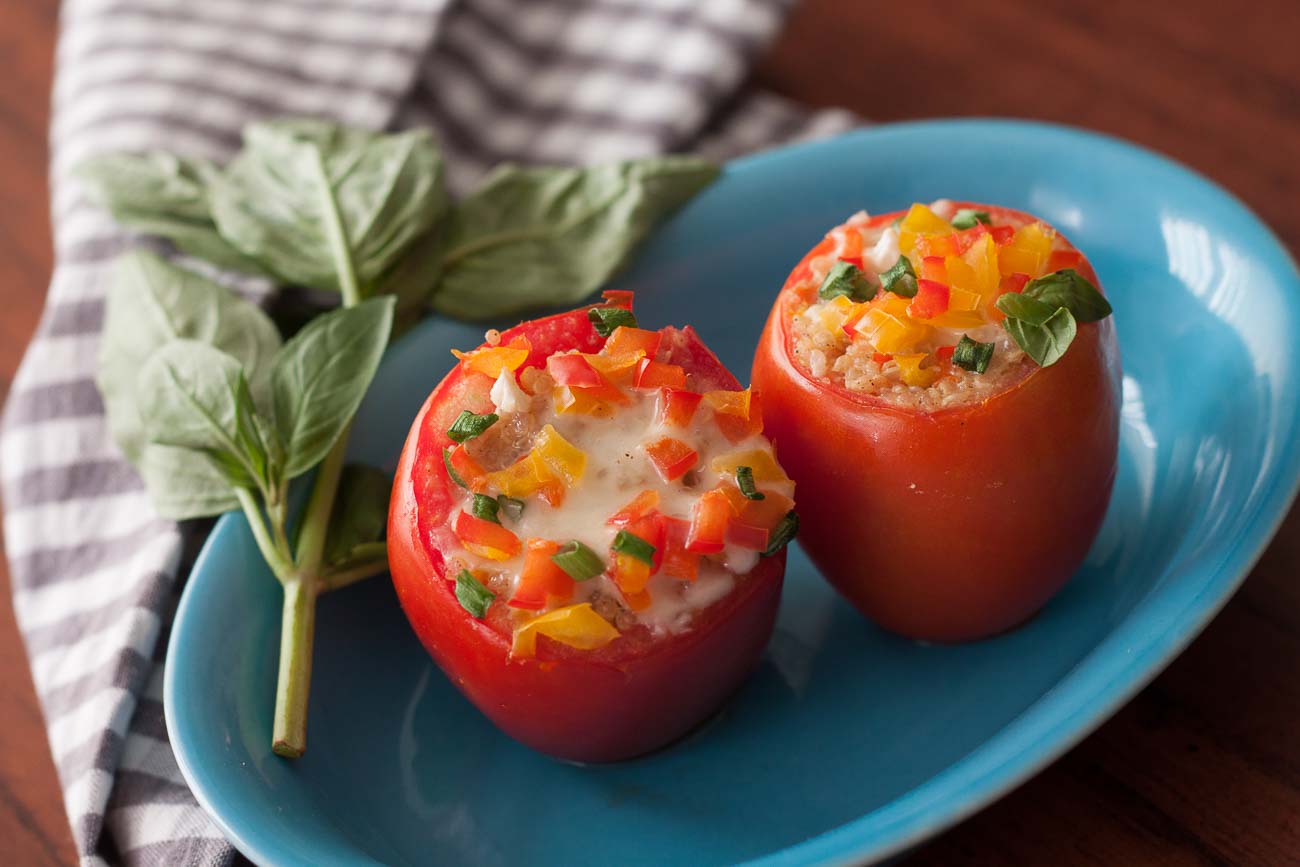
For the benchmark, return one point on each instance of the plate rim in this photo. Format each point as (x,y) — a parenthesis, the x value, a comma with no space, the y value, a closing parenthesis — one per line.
(1048,728)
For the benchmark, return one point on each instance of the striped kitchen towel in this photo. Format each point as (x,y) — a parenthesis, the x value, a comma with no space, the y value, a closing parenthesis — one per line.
(95,571)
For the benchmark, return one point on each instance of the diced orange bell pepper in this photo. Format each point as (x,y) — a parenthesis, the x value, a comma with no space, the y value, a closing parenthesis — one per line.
(469,470)
(931,300)
(636,342)
(677,406)
(527,476)
(767,512)
(577,626)
(562,458)
(485,538)
(630,574)
(541,582)
(709,518)
(944,353)
(642,504)
(738,413)
(671,457)
(746,536)
(491,360)
(933,268)
(616,369)
(1059,260)
(678,562)
(761,463)
(881,357)
(598,401)
(936,246)
(573,369)
(655,374)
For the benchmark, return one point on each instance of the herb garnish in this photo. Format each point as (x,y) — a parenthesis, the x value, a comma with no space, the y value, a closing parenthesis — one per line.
(900,278)
(579,561)
(745,481)
(782,534)
(486,507)
(606,319)
(966,218)
(634,546)
(1043,318)
(846,279)
(472,595)
(972,355)
(469,425)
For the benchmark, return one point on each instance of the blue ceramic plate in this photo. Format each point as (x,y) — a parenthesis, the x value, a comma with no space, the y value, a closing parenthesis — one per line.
(848,744)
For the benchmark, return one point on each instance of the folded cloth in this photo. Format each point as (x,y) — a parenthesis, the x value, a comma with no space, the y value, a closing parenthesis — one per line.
(95,571)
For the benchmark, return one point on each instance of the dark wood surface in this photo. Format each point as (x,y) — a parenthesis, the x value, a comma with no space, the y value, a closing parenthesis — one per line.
(1203,767)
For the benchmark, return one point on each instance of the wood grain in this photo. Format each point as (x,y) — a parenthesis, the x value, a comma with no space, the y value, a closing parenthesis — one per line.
(1203,767)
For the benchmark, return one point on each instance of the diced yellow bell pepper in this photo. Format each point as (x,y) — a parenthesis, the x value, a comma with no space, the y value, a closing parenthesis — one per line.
(525,477)
(960,275)
(491,360)
(486,551)
(920,220)
(561,457)
(962,300)
(959,320)
(1028,251)
(982,258)
(761,461)
(911,372)
(575,625)
(889,333)
(834,313)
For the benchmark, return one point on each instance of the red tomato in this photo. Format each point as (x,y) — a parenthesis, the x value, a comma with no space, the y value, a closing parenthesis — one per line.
(634,695)
(955,524)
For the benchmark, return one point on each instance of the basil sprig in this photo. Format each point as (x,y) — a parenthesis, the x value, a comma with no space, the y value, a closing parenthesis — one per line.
(218,412)
(1043,318)
(900,278)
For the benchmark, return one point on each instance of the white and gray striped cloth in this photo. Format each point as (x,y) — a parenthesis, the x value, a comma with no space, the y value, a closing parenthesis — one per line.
(95,571)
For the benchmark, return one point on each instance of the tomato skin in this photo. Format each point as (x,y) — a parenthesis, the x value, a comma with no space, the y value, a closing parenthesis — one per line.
(632,696)
(957,524)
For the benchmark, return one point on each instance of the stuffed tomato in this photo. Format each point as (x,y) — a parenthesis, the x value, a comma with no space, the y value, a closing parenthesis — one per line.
(944,386)
(587,532)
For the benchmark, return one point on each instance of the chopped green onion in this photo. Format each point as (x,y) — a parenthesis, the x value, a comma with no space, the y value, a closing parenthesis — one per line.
(972,355)
(472,595)
(579,561)
(486,507)
(966,218)
(513,508)
(451,471)
(745,481)
(606,319)
(634,546)
(900,279)
(846,279)
(468,425)
(782,533)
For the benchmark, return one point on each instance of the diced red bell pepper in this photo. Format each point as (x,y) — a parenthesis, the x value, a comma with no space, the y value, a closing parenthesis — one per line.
(936,245)
(852,248)
(1062,259)
(677,406)
(765,513)
(944,353)
(1013,283)
(541,581)
(1002,235)
(671,457)
(855,261)
(631,341)
(618,298)
(678,562)
(642,504)
(486,538)
(747,536)
(650,528)
(469,470)
(709,519)
(931,300)
(881,357)
(654,374)
(933,268)
(573,370)
(966,238)
(850,326)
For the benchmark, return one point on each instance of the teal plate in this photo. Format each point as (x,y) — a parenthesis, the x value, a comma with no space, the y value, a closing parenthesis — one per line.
(848,744)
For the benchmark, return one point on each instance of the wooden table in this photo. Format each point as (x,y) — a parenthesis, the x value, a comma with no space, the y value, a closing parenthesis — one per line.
(1204,766)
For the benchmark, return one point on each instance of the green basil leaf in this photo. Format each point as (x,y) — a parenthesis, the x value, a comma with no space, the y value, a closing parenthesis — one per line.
(469,425)
(1020,306)
(1071,290)
(972,355)
(472,595)
(274,200)
(606,319)
(193,396)
(966,218)
(532,237)
(846,279)
(161,194)
(900,278)
(320,376)
(360,512)
(1046,341)
(151,302)
(486,508)
(745,481)
(782,534)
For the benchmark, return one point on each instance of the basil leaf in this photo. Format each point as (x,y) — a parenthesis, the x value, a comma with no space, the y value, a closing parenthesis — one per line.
(1046,341)
(472,595)
(972,355)
(745,481)
(360,512)
(193,396)
(606,319)
(486,508)
(161,194)
(149,303)
(319,377)
(1071,290)
(469,425)
(782,534)
(900,278)
(1019,306)
(966,218)
(846,279)
(278,199)
(531,237)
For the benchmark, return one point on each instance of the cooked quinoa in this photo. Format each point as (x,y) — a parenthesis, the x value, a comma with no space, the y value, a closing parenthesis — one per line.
(911,366)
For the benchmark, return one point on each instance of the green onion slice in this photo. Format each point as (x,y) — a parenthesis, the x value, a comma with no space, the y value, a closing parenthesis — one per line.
(579,561)
(451,471)
(468,425)
(847,279)
(900,279)
(972,355)
(472,595)
(486,507)
(634,546)
(966,218)
(782,533)
(745,481)
(606,319)
(513,508)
